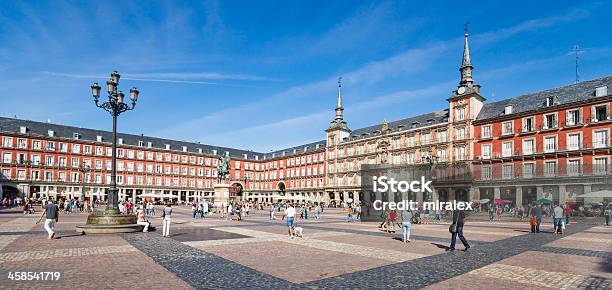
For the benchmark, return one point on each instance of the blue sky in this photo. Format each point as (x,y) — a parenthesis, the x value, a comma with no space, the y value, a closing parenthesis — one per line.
(262,75)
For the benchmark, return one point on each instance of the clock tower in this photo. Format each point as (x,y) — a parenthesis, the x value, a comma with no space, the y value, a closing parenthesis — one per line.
(465,104)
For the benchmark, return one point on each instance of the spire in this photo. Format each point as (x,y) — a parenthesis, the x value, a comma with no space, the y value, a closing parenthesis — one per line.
(338,122)
(466,64)
(339,108)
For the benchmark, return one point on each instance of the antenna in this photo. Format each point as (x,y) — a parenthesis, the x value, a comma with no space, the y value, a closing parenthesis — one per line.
(577,50)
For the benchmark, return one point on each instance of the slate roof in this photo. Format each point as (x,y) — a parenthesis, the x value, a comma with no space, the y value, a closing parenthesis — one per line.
(536,101)
(63,131)
(402,125)
(298,149)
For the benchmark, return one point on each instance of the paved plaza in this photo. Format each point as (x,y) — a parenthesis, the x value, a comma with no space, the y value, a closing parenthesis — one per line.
(257,254)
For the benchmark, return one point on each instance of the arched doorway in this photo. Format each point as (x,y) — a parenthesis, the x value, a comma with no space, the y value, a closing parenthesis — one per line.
(281,187)
(443,195)
(461,194)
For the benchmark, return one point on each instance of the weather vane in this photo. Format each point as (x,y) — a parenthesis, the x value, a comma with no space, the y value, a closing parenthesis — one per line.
(465,26)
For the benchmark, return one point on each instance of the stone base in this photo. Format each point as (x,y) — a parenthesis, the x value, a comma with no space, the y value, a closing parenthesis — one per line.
(109,224)
(108,229)
(221,194)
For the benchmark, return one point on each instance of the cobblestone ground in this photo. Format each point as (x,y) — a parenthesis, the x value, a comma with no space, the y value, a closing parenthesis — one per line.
(257,253)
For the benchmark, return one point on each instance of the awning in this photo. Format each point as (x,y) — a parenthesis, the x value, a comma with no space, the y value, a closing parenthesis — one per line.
(598,194)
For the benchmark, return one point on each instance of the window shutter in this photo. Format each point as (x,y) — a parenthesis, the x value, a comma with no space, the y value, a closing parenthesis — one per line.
(593,119)
(580,113)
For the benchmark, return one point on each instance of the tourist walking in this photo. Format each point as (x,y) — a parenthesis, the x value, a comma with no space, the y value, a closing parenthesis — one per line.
(456,229)
(406,217)
(290,215)
(193,210)
(166,218)
(51,214)
(608,215)
(568,213)
(536,212)
(558,219)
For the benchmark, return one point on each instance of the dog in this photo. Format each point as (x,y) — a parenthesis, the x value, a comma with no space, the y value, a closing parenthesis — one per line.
(298,231)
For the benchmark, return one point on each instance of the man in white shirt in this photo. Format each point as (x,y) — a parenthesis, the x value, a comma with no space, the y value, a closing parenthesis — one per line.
(290,215)
(558,219)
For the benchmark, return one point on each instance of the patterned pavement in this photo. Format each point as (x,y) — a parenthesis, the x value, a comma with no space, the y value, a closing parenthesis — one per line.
(213,253)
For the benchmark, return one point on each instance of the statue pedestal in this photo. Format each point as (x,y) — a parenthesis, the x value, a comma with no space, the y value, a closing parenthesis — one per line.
(221,194)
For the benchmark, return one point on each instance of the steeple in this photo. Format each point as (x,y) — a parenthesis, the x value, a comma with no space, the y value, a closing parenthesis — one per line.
(339,108)
(466,64)
(338,122)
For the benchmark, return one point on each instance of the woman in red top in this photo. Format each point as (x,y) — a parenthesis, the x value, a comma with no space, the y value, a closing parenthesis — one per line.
(392,221)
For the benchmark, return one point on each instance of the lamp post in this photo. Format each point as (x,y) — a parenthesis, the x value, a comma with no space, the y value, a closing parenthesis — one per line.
(430,160)
(83,168)
(115,106)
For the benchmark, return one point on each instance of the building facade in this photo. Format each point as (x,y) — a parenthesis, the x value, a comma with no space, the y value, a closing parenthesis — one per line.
(553,144)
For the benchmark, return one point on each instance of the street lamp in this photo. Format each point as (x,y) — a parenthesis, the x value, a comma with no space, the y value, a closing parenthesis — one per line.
(115,106)
(430,160)
(83,168)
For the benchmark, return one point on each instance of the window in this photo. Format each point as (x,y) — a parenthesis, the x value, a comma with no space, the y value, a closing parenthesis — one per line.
(600,165)
(573,118)
(49,160)
(550,144)
(7,157)
(486,151)
(528,170)
(600,113)
(460,133)
(50,146)
(601,91)
(36,145)
(528,147)
(87,149)
(600,138)
(550,101)
(573,167)
(550,121)
(459,113)
(486,131)
(442,136)
(507,171)
(7,142)
(507,148)
(529,124)
(460,153)
(76,148)
(573,141)
(441,155)
(550,168)
(63,147)
(508,110)
(35,159)
(22,143)
(507,128)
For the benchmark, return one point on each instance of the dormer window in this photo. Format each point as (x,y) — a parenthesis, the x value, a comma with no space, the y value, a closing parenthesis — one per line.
(284,153)
(99,138)
(120,141)
(430,122)
(184,148)
(140,143)
(414,125)
(226,153)
(76,136)
(256,157)
(200,150)
(149,144)
(601,91)
(317,146)
(550,101)
(23,129)
(167,146)
(294,151)
(245,156)
(51,133)
(508,110)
